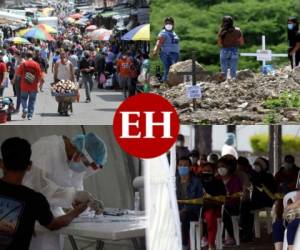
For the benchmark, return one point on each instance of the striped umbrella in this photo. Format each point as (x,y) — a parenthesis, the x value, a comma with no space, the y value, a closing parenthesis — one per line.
(18,40)
(38,33)
(47,28)
(100,35)
(139,33)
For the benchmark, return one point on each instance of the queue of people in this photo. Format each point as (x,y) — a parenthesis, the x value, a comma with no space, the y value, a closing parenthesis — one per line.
(246,188)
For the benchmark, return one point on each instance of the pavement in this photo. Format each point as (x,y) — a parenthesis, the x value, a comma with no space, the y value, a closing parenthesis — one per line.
(99,112)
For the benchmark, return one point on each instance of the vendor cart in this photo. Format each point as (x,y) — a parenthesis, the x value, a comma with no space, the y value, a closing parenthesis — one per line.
(65,102)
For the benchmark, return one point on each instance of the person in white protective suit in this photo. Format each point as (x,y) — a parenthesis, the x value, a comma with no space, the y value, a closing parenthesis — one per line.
(229,146)
(59,167)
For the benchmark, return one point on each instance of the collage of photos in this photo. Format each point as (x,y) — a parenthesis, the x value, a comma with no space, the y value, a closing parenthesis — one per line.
(149,125)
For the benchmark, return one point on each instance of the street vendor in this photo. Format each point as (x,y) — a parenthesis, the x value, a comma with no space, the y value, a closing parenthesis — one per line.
(63,69)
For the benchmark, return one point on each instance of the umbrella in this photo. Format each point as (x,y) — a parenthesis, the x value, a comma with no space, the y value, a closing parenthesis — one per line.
(38,33)
(69,20)
(47,28)
(91,28)
(76,16)
(18,40)
(81,22)
(100,35)
(139,33)
(22,32)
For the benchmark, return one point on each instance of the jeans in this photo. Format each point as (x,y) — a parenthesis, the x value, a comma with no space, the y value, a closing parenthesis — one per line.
(186,217)
(88,83)
(18,95)
(126,84)
(168,59)
(28,102)
(229,60)
(278,231)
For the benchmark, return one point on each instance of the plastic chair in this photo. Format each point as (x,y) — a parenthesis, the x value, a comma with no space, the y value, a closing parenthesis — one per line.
(196,232)
(289,196)
(257,222)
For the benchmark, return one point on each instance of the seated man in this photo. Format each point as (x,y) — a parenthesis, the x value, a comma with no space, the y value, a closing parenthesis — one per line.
(187,187)
(21,207)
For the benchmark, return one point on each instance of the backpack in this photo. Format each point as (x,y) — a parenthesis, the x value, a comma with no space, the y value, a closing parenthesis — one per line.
(29,76)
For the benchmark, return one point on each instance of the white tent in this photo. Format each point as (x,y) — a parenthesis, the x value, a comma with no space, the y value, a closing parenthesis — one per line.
(112,184)
(163,224)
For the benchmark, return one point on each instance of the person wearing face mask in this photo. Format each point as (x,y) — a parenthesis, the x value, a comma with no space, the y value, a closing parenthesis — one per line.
(259,199)
(211,209)
(181,149)
(230,38)
(293,40)
(287,175)
(168,45)
(60,165)
(124,70)
(87,68)
(187,187)
(226,170)
(194,156)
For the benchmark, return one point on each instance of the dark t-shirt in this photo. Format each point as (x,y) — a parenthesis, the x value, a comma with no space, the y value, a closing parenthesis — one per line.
(85,64)
(232,39)
(294,39)
(20,207)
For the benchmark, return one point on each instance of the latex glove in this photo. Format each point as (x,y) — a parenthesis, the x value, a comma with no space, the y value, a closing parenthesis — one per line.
(84,197)
(97,206)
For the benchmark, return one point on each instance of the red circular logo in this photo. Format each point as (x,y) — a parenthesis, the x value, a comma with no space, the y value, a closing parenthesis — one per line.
(146,125)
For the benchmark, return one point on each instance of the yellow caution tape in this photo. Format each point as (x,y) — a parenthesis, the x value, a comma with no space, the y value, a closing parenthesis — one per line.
(273,196)
(219,198)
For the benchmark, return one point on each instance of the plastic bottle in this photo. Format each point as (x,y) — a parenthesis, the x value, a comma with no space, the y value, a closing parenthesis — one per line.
(137,201)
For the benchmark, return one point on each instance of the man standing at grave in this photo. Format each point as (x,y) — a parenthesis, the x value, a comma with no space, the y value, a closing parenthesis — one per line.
(229,39)
(294,41)
(168,44)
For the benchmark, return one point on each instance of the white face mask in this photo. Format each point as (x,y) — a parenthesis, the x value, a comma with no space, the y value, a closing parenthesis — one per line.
(222,171)
(169,27)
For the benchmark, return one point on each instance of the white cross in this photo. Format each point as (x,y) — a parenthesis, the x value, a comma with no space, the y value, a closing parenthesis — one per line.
(263,54)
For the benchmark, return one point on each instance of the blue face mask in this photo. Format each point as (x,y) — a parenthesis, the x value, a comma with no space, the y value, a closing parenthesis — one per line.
(77,167)
(290,26)
(183,170)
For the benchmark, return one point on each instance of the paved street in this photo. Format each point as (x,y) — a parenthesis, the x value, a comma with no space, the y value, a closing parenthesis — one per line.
(99,112)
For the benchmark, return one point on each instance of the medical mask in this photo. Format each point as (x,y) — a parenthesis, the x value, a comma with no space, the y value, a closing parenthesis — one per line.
(183,170)
(77,167)
(290,26)
(257,168)
(168,27)
(222,171)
